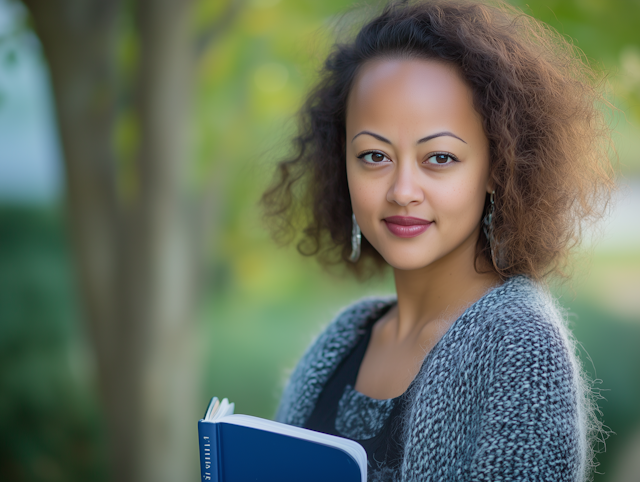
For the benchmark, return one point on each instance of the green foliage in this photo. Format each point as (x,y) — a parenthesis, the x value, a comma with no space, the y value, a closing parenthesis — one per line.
(609,355)
(49,421)
(607,32)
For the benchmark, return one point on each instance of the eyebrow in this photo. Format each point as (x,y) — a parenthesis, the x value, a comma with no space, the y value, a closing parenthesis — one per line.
(424,139)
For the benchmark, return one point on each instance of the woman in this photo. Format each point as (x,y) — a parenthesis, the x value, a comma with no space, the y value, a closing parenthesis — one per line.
(460,144)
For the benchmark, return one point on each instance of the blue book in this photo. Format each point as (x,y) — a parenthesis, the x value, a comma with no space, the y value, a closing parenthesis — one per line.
(242,448)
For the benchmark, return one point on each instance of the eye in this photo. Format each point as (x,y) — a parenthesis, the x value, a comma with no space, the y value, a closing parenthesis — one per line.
(373,157)
(441,159)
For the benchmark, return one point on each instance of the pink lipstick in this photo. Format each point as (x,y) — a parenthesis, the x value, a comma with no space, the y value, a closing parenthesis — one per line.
(406,226)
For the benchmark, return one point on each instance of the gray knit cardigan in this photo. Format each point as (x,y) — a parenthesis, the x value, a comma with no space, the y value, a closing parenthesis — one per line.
(499,398)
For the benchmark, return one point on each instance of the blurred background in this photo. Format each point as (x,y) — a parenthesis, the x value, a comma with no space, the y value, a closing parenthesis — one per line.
(136,277)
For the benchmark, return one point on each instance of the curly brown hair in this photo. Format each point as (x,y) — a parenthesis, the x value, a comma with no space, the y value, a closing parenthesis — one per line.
(540,104)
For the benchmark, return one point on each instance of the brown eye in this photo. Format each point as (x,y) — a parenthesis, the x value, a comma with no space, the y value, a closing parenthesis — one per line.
(373,157)
(441,158)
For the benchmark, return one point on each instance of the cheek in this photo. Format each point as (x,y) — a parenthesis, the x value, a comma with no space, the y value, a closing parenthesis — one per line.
(358,189)
(366,198)
(453,197)
(462,204)
(363,197)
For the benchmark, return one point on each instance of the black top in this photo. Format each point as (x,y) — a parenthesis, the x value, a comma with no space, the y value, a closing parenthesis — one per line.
(374,424)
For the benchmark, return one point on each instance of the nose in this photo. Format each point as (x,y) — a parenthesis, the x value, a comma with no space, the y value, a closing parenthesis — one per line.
(405,189)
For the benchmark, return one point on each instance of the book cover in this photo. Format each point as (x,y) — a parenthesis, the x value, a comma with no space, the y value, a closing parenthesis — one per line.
(241,448)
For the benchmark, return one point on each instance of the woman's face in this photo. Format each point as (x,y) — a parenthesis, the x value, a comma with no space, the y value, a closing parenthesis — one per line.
(417,161)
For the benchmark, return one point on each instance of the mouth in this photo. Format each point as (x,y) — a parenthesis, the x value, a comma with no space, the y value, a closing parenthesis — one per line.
(406,226)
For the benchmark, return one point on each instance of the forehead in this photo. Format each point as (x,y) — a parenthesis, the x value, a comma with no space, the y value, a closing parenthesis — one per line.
(410,93)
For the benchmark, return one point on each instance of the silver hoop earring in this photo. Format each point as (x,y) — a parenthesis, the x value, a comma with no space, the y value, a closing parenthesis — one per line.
(356,240)
(488,226)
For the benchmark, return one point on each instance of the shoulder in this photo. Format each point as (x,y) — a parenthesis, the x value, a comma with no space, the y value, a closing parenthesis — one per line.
(341,332)
(517,326)
(532,387)
(522,331)
(507,368)
(356,315)
(525,317)
(517,304)
(322,357)
(520,316)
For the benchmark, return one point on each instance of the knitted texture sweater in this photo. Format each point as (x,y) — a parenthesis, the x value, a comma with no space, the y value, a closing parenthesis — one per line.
(499,398)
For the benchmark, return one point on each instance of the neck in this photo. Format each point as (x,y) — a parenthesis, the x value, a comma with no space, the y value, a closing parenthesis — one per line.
(441,291)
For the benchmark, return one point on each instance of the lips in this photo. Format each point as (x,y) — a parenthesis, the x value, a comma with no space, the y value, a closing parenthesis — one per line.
(406,226)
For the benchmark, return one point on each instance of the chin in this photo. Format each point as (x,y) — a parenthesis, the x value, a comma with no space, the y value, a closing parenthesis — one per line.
(407,261)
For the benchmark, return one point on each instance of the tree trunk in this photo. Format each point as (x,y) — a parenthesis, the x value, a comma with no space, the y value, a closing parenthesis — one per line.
(165,232)
(136,266)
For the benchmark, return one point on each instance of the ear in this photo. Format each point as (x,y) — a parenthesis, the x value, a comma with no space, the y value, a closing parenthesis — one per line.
(490,187)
